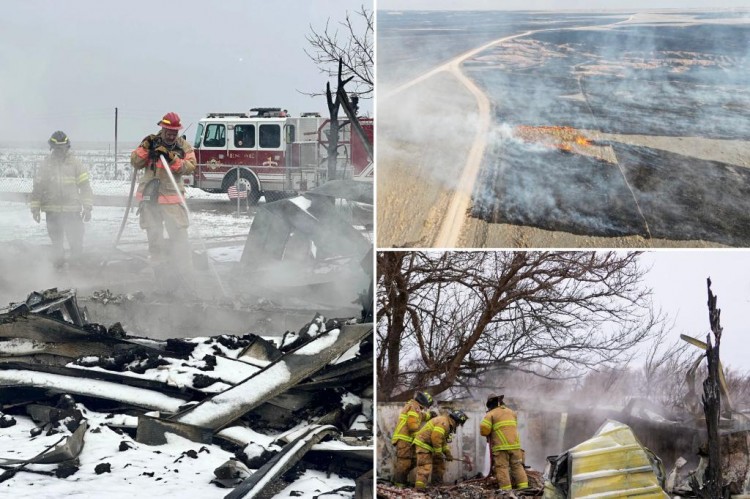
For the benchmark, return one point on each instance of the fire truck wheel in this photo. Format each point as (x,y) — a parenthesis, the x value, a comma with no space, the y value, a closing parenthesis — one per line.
(248,180)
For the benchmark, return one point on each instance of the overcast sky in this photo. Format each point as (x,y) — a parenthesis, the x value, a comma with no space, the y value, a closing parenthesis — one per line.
(67,65)
(678,279)
(555,4)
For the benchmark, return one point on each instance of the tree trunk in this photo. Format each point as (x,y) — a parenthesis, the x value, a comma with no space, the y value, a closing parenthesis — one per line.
(395,284)
(333,130)
(712,481)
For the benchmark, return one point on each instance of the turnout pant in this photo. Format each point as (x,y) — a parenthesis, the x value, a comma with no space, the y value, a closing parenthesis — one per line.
(172,258)
(424,468)
(154,219)
(65,225)
(508,465)
(438,469)
(404,462)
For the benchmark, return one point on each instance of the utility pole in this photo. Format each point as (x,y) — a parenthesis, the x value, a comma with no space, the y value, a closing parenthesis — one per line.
(115,142)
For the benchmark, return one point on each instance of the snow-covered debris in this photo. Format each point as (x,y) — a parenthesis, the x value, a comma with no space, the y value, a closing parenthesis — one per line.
(212,381)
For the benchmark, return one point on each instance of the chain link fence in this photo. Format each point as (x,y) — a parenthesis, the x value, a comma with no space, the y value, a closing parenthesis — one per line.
(108,179)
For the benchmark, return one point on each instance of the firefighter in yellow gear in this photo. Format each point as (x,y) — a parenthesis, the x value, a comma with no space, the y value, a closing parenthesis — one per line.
(414,413)
(160,202)
(63,192)
(500,426)
(430,442)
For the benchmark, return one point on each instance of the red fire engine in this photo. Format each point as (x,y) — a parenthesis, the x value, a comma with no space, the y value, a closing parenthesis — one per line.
(272,152)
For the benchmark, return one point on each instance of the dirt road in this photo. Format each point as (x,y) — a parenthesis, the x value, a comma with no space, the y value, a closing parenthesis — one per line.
(454,217)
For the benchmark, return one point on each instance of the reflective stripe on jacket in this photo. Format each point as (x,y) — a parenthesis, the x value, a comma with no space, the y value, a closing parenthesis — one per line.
(409,422)
(433,435)
(61,184)
(501,425)
(184,165)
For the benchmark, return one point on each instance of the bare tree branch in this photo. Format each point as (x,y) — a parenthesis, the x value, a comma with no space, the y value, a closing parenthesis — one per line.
(453,316)
(350,41)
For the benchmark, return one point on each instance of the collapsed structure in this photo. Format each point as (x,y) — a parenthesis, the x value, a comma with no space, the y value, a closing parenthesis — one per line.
(268,402)
(640,450)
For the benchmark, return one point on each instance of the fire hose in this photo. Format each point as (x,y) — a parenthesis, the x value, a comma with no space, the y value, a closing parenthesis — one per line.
(127,210)
(200,238)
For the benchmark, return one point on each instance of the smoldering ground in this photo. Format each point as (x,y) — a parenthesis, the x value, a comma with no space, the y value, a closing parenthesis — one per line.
(688,81)
(227,296)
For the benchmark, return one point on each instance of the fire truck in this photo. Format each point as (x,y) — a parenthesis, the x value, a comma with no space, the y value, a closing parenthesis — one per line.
(270,153)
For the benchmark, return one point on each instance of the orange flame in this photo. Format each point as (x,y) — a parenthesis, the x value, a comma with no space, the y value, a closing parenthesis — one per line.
(583,141)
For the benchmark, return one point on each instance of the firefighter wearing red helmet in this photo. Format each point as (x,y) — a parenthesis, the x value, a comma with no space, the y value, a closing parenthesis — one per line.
(500,426)
(160,203)
(63,192)
(414,412)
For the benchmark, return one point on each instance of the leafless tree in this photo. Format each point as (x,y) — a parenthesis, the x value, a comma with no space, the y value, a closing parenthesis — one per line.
(351,44)
(662,375)
(348,57)
(446,319)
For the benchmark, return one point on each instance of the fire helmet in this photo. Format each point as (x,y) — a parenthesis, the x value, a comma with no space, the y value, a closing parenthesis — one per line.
(59,139)
(458,416)
(494,400)
(170,121)
(424,398)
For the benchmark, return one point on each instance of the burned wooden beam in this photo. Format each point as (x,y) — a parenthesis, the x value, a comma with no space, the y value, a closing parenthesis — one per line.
(218,411)
(338,374)
(281,462)
(152,431)
(48,330)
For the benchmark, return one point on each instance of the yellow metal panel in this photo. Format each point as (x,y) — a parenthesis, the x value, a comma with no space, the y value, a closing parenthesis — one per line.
(612,464)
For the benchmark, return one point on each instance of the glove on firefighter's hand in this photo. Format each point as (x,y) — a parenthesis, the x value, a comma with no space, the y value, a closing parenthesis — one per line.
(150,143)
(170,156)
(86,214)
(439,455)
(36,213)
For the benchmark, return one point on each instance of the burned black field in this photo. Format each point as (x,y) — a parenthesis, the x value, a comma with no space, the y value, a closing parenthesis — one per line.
(690,81)
(680,197)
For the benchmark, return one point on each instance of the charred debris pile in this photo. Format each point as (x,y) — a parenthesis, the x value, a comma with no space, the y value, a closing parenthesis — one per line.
(474,488)
(278,407)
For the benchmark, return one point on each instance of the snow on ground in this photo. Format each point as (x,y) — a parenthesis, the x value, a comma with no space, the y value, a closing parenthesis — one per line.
(179,468)
(16,224)
(140,471)
(313,483)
